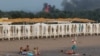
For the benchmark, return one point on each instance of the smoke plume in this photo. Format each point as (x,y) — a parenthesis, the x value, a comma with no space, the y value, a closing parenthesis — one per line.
(80,4)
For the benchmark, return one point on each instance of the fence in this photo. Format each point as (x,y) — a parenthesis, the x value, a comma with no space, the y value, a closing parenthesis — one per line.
(40,30)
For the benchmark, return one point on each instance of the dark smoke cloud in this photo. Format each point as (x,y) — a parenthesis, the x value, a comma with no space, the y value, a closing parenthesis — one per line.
(80,4)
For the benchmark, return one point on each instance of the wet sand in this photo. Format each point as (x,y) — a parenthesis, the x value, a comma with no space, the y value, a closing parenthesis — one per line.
(88,45)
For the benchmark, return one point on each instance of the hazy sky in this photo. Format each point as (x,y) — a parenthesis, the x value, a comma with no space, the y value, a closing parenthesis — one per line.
(27,5)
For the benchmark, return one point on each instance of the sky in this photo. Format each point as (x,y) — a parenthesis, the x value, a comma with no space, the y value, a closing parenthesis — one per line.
(27,5)
(37,5)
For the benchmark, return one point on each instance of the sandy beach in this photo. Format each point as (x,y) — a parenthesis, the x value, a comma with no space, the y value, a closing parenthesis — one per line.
(88,45)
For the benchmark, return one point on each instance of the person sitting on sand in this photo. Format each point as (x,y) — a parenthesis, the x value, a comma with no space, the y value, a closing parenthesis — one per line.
(27,48)
(21,50)
(36,51)
(70,52)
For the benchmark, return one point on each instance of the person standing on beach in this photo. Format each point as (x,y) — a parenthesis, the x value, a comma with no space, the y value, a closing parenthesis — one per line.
(70,52)
(74,44)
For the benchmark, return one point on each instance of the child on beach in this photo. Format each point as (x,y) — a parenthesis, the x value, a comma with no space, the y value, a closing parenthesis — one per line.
(36,51)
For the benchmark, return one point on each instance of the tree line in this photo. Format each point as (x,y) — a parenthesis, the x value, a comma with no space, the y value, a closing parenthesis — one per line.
(54,13)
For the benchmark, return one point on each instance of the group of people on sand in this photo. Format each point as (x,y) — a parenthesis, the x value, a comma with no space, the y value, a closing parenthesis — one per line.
(28,52)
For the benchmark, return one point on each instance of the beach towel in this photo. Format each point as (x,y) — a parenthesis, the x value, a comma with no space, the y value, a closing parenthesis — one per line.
(30,54)
(24,53)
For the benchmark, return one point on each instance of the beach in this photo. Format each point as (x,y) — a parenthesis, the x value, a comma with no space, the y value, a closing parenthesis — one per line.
(86,45)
